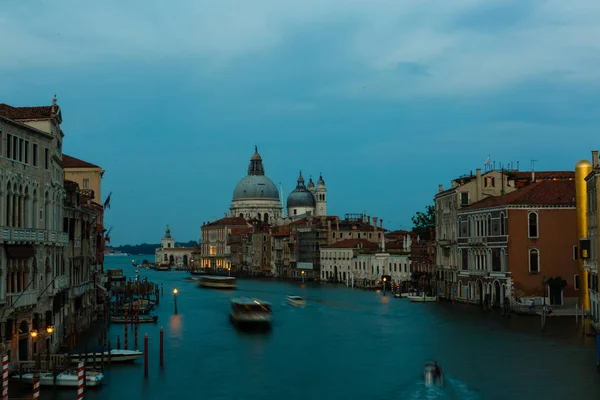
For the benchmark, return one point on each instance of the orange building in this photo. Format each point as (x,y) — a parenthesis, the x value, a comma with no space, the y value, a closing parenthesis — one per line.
(521,244)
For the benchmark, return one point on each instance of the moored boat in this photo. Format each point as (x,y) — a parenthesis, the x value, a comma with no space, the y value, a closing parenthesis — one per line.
(296,301)
(218,282)
(422,298)
(118,356)
(246,311)
(130,319)
(66,378)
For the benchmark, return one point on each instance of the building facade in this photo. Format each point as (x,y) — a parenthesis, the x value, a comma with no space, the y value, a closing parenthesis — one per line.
(88,177)
(179,257)
(519,245)
(590,246)
(215,246)
(33,241)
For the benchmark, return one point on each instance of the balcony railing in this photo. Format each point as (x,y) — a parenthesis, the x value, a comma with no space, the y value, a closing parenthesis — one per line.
(23,235)
(78,290)
(61,282)
(22,299)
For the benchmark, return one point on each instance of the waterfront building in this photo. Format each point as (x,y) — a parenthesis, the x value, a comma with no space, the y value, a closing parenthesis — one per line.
(31,204)
(519,244)
(257,249)
(76,276)
(307,201)
(88,177)
(467,190)
(360,262)
(215,249)
(590,245)
(170,255)
(256,196)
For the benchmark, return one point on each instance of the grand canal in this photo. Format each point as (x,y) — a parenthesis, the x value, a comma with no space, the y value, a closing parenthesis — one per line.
(346,344)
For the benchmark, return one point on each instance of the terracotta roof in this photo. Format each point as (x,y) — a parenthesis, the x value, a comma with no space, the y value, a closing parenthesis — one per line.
(16,113)
(72,162)
(352,244)
(542,193)
(229,221)
(543,174)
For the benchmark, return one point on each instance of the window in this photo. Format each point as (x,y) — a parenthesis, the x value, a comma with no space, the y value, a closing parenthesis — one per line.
(502,224)
(35,155)
(576,282)
(464,198)
(460,231)
(489,225)
(533,225)
(27,152)
(8,146)
(534,261)
(86,183)
(46,159)
(465,259)
(21,150)
(575,255)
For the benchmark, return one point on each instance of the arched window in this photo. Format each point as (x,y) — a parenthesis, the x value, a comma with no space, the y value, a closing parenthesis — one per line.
(534,261)
(502,224)
(533,225)
(489,225)
(460,232)
(469,226)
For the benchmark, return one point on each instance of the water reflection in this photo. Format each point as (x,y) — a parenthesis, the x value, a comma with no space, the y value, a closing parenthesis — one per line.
(175,326)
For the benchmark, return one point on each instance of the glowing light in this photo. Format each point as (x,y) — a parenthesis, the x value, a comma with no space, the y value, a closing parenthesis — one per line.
(302,272)
(175,291)
(33,333)
(384,279)
(49,329)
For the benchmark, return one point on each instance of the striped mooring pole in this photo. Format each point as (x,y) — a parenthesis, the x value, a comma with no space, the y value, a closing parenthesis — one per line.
(5,378)
(36,388)
(80,382)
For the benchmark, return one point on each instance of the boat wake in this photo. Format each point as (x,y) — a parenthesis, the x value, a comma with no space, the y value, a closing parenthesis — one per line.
(452,389)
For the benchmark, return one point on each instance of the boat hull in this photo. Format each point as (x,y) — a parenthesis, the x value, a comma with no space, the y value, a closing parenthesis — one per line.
(296,301)
(118,356)
(63,379)
(422,299)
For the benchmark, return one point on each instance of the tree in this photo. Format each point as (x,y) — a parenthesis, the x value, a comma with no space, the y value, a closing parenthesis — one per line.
(424,222)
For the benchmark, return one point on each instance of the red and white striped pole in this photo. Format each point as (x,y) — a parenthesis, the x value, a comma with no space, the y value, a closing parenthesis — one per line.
(80,383)
(36,388)
(5,378)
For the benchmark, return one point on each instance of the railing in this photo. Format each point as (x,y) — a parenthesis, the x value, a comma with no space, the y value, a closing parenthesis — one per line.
(80,289)
(22,299)
(61,282)
(51,236)
(18,234)
(87,192)
(63,238)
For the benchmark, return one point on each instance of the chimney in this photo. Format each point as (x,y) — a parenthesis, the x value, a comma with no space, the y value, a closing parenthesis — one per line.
(478,184)
(337,224)
(375,223)
(532,176)
(369,219)
(381,223)
(594,158)
(440,188)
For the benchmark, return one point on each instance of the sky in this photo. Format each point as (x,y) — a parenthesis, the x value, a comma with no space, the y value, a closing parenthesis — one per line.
(387,99)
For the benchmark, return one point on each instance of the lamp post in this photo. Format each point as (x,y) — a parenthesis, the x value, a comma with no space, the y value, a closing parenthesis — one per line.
(35,335)
(302,273)
(175,299)
(384,279)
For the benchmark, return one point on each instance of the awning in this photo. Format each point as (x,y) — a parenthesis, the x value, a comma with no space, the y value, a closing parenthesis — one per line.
(101,287)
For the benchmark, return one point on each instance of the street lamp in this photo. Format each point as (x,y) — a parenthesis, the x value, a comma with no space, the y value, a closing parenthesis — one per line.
(302,276)
(175,291)
(384,279)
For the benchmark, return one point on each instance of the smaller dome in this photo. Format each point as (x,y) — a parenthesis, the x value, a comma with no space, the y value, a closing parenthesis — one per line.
(301,196)
(320,182)
(311,184)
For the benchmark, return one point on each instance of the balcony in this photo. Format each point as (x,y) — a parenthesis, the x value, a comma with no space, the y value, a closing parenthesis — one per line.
(22,235)
(477,240)
(61,282)
(87,193)
(22,299)
(78,290)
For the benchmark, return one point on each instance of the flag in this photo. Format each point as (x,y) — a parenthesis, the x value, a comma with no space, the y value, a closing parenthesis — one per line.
(108,239)
(107,202)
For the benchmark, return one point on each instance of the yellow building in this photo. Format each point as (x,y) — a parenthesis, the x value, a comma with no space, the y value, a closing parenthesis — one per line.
(87,175)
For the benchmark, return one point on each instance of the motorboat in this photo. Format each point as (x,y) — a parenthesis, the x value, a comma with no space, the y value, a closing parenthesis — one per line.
(218,282)
(66,378)
(421,298)
(248,311)
(296,301)
(118,356)
(132,319)
(432,374)
(190,279)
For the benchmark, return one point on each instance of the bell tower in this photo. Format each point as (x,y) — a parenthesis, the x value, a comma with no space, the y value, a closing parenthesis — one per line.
(321,198)
(167,242)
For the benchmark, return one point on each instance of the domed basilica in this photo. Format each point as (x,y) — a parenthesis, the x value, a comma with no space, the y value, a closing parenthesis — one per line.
(256,196)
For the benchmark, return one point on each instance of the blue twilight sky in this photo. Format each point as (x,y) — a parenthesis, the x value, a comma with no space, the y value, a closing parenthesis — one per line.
(387,99)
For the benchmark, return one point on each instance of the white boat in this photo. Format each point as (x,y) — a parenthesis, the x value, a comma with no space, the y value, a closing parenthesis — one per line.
(422,298)
(118,356)
(218,282)
(66,378)
(433,375)
(399,295)
(296,301)
(247,311)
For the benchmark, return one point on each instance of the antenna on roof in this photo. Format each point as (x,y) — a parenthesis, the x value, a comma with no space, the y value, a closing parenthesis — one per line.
(533,170)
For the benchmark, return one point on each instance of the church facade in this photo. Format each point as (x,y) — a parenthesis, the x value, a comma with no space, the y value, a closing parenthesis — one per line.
(168,254)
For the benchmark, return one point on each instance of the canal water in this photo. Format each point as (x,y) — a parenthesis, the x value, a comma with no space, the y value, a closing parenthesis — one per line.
(346,344)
